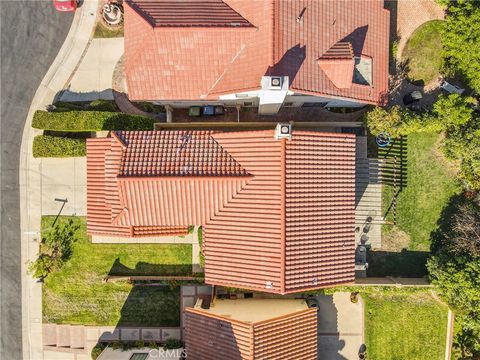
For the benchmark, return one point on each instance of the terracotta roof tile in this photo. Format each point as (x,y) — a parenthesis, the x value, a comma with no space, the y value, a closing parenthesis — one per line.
(176,153)
(196,13)
(280,220)
(103,202)
(187,64)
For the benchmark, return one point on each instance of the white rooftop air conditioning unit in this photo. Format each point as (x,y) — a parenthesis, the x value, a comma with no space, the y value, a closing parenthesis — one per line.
(283,131)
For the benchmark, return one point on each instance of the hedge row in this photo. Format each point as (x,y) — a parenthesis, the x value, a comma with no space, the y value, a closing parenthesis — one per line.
(76,121)
(95,105)
(51,146)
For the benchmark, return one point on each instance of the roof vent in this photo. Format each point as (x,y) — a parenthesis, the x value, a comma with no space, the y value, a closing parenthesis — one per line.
(315,282)
(283,131)
(268,284)
(276,82)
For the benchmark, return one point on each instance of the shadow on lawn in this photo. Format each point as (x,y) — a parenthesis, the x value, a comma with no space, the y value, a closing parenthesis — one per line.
(406,263)
(439,237)
(394,171)
(147,269)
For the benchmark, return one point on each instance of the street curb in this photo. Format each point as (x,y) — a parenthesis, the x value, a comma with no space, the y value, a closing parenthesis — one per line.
(65,63)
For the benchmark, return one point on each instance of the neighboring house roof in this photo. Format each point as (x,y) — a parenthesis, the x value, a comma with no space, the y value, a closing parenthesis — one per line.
(194,57)
(210,336)
(278,215)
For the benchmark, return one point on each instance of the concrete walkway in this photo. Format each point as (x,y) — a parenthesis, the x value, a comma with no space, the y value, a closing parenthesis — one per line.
(64,179)
(93,78)
(340,327)
(54,81)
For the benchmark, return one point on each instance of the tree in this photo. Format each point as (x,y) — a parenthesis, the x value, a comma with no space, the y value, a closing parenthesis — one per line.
(462,140)
(455,269)
(460,40)
(454,110)
(55,249)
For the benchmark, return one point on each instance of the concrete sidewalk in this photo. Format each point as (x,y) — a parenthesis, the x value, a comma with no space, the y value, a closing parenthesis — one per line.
(30,178)
(93,78)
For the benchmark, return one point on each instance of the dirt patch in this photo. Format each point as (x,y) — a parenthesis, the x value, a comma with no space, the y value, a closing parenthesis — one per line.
(395,240)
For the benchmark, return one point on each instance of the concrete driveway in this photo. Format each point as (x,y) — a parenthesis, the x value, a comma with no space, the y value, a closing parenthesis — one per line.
(93,78)
(340,327)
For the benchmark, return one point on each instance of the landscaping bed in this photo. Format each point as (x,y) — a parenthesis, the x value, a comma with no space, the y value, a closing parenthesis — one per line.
(422,53)
(76,294)
(401,324)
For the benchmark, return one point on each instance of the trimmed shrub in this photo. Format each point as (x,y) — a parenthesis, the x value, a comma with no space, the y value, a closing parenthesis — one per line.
(97,350)
(77,121)
(51,146)
(103,105)
(171,344)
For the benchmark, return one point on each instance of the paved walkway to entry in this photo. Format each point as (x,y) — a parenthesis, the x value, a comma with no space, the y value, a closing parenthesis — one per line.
(340,327)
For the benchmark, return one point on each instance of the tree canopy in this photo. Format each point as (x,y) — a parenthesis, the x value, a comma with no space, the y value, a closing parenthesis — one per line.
(460,40)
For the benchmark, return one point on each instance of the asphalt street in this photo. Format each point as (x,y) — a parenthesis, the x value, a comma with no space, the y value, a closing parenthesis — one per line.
(32,33)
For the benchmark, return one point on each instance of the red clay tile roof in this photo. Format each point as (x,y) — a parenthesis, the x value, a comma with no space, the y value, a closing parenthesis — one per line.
(178,153)
(103,203)
(188,13)
(282,221)
(184,63)
(212,337)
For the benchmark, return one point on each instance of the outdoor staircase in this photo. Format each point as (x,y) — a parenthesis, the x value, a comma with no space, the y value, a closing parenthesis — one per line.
(65,338)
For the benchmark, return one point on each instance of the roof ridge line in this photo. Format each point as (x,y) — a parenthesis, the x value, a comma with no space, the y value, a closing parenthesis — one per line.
(283,182)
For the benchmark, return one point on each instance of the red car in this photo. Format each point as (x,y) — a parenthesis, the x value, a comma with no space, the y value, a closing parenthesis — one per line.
(65,5)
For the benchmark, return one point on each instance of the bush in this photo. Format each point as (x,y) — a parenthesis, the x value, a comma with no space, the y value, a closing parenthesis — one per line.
(88,121)
(51,146)
(455,269)
(68,106)
(400,122)
(462,140)
(461,48)
(103,105)
(150,107)
(172,344)
(55,249)
(97,350)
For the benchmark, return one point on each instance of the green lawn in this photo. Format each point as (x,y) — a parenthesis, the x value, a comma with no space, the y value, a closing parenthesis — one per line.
(423,53)
(430,183)
(77,295)
(404,325)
